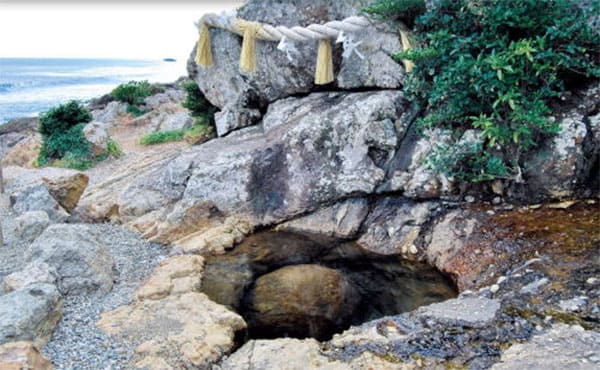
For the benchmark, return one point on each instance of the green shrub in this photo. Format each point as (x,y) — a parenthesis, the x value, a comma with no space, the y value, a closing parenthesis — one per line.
(133,92)
(195,100)
(405,11)
(62,133)
(497,66)
(160,137)
(198,133)
(61,118)
(134,110)
(113,149)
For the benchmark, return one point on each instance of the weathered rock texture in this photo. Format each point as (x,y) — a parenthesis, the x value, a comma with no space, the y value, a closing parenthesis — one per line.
(21,356)
(82,263)
(172,325)
(30,314)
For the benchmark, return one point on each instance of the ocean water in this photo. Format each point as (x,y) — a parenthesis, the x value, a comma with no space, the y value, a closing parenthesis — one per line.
(31,86)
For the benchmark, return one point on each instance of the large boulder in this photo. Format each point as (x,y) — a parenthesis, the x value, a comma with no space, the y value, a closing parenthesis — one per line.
(276,77)
(301,300)
(310,151)
(30,314)
(82,263)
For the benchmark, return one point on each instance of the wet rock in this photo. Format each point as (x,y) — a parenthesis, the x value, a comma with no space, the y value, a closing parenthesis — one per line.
(31,224)
(394,225)
(33,273)
(276,77)
(67,189)
(465,311)
(187,330)
(30,314)
(97,134)
(342,220)
(22,355)
(38,198)
(82,263)
(300,301)
(562,347)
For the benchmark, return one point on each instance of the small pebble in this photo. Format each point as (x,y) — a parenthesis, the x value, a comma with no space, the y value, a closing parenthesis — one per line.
(591,281)
(494,288)
(469,199)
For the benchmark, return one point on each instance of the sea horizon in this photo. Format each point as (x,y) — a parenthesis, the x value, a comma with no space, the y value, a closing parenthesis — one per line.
(30,86)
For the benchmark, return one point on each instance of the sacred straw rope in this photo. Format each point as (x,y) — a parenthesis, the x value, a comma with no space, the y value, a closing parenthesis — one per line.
(251,31)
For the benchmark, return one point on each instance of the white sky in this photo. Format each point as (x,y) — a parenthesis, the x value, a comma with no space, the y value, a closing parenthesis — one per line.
(127,29)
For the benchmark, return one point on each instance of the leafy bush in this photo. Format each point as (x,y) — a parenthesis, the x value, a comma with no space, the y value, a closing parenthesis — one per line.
(195,100)
(113,149)
(60,119)
(62,133)
(496,66)
(160,137)
(198,133)
(133,92)
(405,11)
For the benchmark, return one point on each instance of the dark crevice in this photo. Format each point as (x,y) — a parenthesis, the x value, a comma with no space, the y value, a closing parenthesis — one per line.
(307,285)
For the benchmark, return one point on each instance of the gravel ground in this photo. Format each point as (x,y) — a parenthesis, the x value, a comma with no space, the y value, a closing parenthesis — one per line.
(76,342)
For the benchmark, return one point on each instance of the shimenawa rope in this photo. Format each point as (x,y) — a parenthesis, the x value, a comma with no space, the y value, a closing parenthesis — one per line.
(252,31)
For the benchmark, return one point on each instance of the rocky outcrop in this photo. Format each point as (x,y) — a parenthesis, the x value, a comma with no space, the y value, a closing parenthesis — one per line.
(22,355)
(300,300)
(309,152)
(172,325)
(30,314)
(240,95)
(82,263)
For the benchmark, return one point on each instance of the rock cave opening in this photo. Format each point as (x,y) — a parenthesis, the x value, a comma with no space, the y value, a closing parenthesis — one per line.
(288,284)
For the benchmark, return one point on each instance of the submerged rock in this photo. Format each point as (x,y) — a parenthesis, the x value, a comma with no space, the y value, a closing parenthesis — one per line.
(301,301)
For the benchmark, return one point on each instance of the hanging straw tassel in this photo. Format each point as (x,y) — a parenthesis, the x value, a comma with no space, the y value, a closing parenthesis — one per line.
(408,64)
(324,68)
(248,54)
(203,51)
